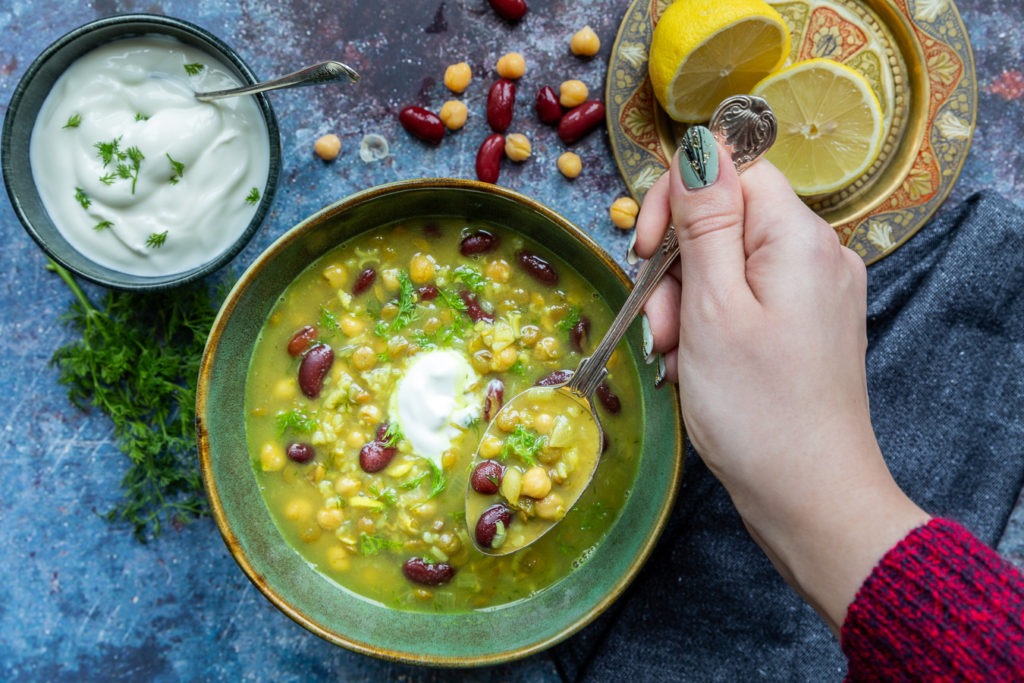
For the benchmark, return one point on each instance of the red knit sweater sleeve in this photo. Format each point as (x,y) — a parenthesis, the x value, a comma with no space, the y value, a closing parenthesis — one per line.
(940,606)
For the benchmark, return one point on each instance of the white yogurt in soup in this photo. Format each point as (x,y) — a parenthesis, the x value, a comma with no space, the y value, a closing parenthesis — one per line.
(137,174)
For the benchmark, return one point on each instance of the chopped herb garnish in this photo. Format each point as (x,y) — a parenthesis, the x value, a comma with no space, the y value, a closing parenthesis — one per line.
(438,480)
(518,369)
(524,443)
(569,321)
(126,162)
(102,225)
(156,240)
(253,196)
(471,277)
(392,435)
(376,544)
(178,169)
(328,320)
(406,308)
(194,69)
(295,420)
(139,116)
(82,198)
(108,151)
(73,121)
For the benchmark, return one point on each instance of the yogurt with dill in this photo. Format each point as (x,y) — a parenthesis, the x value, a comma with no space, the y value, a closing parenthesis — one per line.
(137,174)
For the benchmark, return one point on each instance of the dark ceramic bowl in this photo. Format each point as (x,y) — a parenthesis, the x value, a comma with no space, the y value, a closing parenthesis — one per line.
(321,605)
(24,108)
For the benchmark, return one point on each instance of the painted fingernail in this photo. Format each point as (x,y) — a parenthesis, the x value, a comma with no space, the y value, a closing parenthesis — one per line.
(698,158)
(631,257)
(659,379)
(648,339)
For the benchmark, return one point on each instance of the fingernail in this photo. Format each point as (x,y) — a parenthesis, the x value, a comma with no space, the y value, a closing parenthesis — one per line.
(659,379)
(648,339)
(698,158)
(631,257)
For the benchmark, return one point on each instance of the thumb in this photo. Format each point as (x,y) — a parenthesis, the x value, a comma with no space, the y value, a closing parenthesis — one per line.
(708,213)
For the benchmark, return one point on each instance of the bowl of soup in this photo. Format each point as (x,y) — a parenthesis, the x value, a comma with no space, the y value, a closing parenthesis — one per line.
(347,382)
(119,173)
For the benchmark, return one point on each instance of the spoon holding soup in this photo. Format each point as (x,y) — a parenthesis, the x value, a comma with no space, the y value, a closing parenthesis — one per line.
(541,449)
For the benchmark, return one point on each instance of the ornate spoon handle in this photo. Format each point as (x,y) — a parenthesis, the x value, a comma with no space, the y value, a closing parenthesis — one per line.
(324,72)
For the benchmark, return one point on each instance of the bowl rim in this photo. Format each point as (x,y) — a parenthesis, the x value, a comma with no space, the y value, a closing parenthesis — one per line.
(135,24)
(235,544)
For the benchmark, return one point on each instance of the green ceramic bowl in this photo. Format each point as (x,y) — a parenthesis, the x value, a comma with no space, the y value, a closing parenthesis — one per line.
(321,605)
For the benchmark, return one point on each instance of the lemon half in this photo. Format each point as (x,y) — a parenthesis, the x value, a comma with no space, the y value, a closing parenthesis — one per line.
(830,124)
(703,51)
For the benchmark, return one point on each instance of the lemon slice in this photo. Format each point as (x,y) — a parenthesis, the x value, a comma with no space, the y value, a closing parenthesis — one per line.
(703,51)
(830,124)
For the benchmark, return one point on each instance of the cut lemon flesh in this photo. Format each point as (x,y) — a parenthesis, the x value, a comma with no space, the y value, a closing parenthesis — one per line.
(703,51)
(830,125)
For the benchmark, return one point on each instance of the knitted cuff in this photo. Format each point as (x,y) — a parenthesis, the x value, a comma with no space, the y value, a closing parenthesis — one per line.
(940,605)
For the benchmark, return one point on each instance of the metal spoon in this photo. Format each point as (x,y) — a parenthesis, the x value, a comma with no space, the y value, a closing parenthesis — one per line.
(746,126)
(324,72)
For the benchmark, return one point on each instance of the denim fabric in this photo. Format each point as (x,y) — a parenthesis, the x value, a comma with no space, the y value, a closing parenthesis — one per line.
(946,379)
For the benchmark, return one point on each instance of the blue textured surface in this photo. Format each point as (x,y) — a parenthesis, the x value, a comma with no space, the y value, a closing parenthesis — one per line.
(79,598)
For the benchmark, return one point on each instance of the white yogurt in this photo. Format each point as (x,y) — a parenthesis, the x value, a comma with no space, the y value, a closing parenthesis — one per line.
(202,167)
(435,401)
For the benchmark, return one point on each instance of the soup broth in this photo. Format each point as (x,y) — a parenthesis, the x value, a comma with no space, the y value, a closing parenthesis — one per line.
(370,388)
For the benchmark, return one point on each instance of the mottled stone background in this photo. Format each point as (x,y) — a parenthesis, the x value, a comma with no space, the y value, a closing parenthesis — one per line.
(79,598)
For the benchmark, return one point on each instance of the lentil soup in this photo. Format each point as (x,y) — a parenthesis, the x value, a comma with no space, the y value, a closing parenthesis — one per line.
(371,386)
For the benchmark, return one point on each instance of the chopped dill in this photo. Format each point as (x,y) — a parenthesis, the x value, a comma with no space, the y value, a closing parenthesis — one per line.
(82,198)
(102,225)
(177,168)
(295,420)
(194,69)
(253,196)
(74,121)
(156,240)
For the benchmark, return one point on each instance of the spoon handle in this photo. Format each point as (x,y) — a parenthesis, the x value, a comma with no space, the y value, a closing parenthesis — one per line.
(324,72)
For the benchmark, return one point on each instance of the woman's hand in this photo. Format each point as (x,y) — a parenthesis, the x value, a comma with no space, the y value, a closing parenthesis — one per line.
(763,325)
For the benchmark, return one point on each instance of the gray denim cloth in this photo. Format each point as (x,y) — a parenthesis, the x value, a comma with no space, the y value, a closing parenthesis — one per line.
(946,379)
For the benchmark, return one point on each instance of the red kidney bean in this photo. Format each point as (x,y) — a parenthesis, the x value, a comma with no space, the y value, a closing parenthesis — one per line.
(473,308)
(301,340)
(512,10)
(314,367)
(494,399)
(501,102)
(478,242)
(487,525)
(538,268)
(608,399)
(489,156)
(486,477)
(422,123)
(547,106)
(375,456)
(364,281)
(300,452)
(382,432)
(427,292)
(579,121)
(580,333)
(418,570)
(556,377)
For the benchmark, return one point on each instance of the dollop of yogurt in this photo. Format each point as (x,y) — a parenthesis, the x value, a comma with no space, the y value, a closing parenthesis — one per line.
(137,174)
(435,400)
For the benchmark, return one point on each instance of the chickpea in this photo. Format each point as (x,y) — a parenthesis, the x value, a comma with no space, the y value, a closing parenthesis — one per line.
(327,147)
(298,509)
(389,278)
(347,486)
(351,326)
(397,346)
(570,164)
(448,459)
(285,389)
(498,270)
(517,147)
(449,543)
(547,348)
(272,458)
(511,65)
(507,420)
(504,359)
(573,93)
(457,77)
(550,507)
(543,422)
(330,518)
(364,358)
(454,114)
(490,446)
(311,534)
(623,212)
(369,414)
(536,483)
(529,335)
(366,525)
(585,43)
(432,324)
(335,275)
(422,268)
(338,558)
(481,361)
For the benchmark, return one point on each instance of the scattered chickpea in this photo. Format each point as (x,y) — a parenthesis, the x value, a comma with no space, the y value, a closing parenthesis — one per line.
(347,486)
(623,212)
(330,518)
(298,509)
(498,270)
(272,457)
(490,446)
(511,65)
(310,534)
(454,114)
(517,147)
(422,268)
(570,164)
(351,326)
(335,275)
(543,422)
(536,483)
(529,335)
(550,507)
(547,349)
(507,420)
(572,93)
(504,359)
(364,358)
(585,43)
(457,77)
(285,389)
(338,558)
(327,147)
(370,414)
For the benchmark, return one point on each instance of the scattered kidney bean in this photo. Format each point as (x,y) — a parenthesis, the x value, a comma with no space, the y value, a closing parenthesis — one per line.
(418,570)
(580,333)
(486,477)
(382,432)
(608,399)
(579,121)
(512,10)
(555,377)
(422,123)
(488,158)
(478,242)
(375,456)
(301,340)
(487,525)
(428,292)
(364,281)
(474,310)
(547,106)
(539,269)
(314,367)
(501,101)
(300,452)
(494,399)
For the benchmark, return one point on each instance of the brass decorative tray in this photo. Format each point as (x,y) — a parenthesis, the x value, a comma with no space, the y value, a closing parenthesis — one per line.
(918,58)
